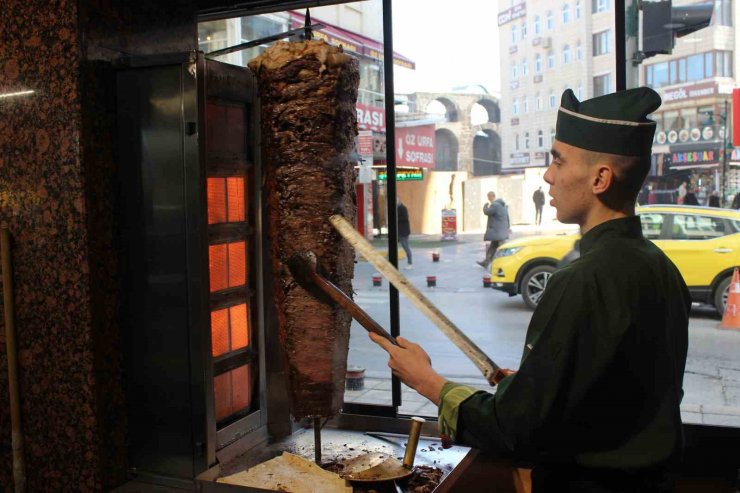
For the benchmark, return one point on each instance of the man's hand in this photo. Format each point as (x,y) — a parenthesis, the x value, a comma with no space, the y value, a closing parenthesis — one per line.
(412,365)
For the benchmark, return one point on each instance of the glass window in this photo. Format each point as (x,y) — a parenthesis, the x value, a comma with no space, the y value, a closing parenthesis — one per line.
(602,84)
(515,107)
(599,6)
(705,115)
(673,71)
(538,102)
(601,43)
(579,92)
(540,139)
(670,120)
(552,135)
(537,63)
(695,227)
(526,104)
(516,142)
(682,70)
(524,29)
(513,34)
(549,20)
(708,65)
(536,23)
(526,140)
(566,13)
(695,67)
(552,100)
(652,225)
(657,74)
(578,9)
(579,51)
(566,54)
(688,118)
(722,15)
(550,60)
(525,67)
(514,71)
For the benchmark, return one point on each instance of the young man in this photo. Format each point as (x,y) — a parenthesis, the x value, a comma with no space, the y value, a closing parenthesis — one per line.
(539,201)
(595,403)
(497,227)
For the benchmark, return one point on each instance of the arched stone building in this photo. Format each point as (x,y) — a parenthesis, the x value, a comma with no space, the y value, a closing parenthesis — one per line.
(461,145)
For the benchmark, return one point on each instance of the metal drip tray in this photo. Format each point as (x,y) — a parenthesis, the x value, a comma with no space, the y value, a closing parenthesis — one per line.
(337,446)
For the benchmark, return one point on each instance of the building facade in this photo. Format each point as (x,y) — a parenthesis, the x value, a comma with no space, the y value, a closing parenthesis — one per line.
(547,47)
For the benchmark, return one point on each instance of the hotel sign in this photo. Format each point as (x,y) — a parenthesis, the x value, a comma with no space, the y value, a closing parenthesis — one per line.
(512,14)
(403,174)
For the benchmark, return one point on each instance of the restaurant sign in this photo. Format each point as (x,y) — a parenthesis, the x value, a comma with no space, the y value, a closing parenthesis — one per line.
(515,12)
(689,92)
(403,174)
(415,146)
(370,117)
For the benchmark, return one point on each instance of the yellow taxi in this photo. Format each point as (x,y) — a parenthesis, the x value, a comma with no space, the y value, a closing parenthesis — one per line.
(703,242)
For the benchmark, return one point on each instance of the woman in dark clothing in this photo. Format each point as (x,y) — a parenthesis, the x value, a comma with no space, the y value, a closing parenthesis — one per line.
(404,231)
(595,404)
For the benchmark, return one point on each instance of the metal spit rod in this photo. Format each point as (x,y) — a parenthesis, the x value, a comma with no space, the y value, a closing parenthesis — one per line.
(317,440)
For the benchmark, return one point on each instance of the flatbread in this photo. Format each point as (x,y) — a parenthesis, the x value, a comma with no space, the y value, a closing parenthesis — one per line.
(290,473)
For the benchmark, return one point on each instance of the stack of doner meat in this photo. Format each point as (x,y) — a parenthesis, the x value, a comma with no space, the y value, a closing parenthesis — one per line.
(308,92)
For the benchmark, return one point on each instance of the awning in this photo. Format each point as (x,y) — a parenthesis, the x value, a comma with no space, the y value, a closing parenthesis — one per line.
(352,42)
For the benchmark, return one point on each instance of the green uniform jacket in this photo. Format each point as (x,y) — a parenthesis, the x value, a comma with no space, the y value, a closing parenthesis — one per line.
(600,382)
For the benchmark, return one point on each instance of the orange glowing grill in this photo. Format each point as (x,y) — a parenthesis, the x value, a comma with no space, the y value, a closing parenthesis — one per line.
(227,265)
(229,329)
(232,391)
(226,200)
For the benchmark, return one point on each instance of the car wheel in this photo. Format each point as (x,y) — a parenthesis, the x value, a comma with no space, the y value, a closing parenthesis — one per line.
(534,284)
(721,294)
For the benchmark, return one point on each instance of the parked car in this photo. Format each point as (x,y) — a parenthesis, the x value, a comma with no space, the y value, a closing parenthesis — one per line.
(703,242)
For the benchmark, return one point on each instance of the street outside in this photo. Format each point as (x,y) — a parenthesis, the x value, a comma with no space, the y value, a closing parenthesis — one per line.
(498,323)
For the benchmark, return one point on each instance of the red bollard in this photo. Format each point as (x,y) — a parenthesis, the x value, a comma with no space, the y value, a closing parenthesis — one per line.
(431,281)
(487,281)
(377,280)
(435,256)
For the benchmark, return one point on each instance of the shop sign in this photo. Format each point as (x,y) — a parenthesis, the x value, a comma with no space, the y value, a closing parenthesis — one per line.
(683,135)
(660,137)
(403,174)
(365,143)
(689,92)
(515,12)
(695,134)
(672,136)
(707,133)
(370,117)
(415,146)
(519,158)
(701,156)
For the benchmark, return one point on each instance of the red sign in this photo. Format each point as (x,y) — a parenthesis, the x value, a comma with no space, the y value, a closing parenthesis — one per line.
(736,117)
(449,224)
(365,143)
(370,117)
(415,146)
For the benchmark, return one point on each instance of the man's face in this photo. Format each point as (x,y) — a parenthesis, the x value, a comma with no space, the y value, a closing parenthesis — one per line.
(569,177)
(491,196)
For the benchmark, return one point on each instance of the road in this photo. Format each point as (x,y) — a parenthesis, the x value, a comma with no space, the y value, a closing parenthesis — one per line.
(497,323)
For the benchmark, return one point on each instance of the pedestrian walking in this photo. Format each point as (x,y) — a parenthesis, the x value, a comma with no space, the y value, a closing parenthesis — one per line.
(714,199)
(404,231)
(595,404)
(497,227)
(539,201)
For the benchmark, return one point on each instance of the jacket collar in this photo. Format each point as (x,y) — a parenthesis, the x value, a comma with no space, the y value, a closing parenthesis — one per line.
(626,227)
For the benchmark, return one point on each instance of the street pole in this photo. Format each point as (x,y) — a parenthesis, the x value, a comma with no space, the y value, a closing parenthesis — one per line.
(724,157)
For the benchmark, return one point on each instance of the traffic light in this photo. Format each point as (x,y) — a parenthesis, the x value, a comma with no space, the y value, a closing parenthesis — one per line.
(662,23)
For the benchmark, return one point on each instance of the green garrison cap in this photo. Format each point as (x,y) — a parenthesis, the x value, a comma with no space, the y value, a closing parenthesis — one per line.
(614,123)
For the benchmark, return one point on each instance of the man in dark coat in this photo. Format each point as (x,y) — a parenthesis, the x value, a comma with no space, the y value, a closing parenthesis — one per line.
(539,201)
(404,231)
(595,404)
(497,227)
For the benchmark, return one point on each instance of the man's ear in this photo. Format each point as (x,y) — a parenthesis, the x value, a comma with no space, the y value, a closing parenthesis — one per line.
(603,179)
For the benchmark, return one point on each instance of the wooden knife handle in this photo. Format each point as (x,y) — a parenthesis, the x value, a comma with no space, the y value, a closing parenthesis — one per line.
(353,308)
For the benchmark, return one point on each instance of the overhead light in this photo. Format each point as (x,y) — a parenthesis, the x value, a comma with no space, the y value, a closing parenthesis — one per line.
(13,94)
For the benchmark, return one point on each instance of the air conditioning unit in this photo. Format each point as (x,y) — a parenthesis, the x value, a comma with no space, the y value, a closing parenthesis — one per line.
(546,42)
